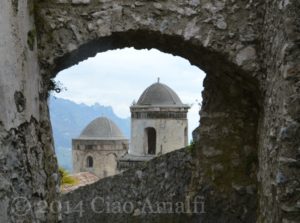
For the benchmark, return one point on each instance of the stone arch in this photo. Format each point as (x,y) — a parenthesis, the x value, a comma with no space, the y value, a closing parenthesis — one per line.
(230,109)
(259,38)
(86,29)
(199,33)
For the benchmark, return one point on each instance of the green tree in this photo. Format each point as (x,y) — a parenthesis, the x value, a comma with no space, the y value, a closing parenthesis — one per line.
(66,178)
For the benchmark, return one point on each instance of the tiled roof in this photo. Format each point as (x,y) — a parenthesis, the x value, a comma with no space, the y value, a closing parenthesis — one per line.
(83,178)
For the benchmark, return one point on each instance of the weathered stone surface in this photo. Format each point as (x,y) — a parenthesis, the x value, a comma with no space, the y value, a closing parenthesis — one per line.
(163,179)
(81,1)
(250,52)
(246,54)
(27,160)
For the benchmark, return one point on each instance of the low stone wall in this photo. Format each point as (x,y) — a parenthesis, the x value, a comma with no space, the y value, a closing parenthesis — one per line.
(126,164)
(153,192)
(160,191)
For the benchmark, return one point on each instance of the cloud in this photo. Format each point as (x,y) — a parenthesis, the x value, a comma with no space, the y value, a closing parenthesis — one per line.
(118,77)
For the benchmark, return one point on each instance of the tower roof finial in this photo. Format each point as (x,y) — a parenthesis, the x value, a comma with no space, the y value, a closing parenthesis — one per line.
(158,79)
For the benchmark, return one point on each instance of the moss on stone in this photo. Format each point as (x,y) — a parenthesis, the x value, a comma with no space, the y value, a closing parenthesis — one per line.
(31,6)
(192,148)
(31,35)
(15,4)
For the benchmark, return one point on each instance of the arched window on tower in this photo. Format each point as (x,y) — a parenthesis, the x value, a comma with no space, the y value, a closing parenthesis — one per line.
(150,140)
(89,162)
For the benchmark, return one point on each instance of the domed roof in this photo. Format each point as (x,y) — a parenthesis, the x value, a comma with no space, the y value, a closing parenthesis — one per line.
(101,128)
(159,94)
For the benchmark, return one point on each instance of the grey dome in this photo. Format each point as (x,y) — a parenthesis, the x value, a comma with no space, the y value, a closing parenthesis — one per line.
(159,94)
(101,128)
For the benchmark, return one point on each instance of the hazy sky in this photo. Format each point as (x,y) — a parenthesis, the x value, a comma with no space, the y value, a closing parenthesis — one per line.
(118,77)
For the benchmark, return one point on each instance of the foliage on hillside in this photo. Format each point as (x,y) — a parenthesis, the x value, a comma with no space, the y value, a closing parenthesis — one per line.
(66,178)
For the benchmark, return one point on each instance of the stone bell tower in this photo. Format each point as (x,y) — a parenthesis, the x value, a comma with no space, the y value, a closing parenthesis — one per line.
(158,122)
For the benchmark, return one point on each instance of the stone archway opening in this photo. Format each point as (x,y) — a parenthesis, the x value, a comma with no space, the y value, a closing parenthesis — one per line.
(101,84)
(235,42)
(89,162)
(226,152)
(150,140)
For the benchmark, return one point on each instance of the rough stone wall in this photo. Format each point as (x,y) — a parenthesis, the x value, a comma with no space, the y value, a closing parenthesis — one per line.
(209,34)
(279,153)
(28,176)
(222,38)
(227,151)
(241,45)
(137,195)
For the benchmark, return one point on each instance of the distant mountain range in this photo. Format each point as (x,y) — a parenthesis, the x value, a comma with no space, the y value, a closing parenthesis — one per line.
(69,119)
